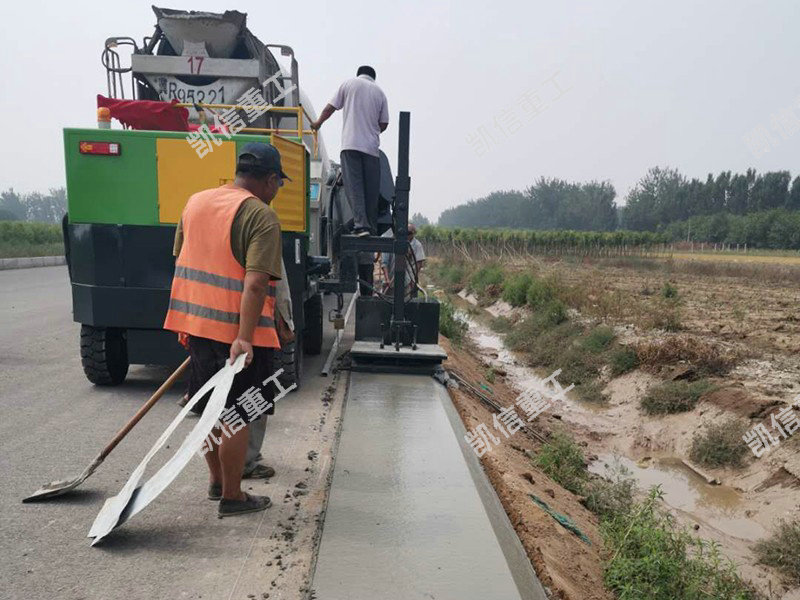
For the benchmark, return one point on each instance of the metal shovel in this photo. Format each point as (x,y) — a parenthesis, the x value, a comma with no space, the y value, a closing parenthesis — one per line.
(57,488)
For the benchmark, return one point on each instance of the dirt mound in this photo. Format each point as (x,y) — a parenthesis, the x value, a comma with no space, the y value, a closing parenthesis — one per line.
(740,402)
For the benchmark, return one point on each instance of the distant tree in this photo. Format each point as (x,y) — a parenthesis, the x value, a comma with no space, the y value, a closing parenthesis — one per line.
(419,220)
(10,203)
(48,208)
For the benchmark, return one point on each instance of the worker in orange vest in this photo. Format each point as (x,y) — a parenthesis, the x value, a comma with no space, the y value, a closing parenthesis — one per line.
(228,249)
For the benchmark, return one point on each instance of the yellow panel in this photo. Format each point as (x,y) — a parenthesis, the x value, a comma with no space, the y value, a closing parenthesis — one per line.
(290,203)
(181,173)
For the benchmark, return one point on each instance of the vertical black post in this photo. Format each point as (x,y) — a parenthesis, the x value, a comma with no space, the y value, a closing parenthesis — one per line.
(401,188)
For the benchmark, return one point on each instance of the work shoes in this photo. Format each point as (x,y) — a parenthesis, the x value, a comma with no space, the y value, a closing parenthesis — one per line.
(214,491)
(259,471)
(251,504)
(361,232)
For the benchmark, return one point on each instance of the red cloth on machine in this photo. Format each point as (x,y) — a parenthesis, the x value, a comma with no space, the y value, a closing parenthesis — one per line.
(147,114)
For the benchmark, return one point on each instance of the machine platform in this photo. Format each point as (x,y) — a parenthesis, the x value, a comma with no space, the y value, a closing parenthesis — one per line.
(369,356)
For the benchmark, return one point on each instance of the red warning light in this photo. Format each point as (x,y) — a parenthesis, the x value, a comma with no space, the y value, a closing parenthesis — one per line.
(102,148)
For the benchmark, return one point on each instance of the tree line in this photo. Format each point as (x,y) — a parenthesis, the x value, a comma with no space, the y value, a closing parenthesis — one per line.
(758,209)
(548,204)
(35,206)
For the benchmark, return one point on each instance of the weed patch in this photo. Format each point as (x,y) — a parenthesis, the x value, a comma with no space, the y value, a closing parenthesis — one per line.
(720,444)
(707,357)
(488,278)
(782,550)
(623,359)
(599,339)
(654,559)
(515,289)
(450,324)
(562,460)
(674,396)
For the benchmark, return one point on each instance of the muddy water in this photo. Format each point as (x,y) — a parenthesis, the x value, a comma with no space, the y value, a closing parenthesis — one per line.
(716,506)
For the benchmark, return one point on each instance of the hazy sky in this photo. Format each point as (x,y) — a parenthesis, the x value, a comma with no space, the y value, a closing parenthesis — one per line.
(500,93)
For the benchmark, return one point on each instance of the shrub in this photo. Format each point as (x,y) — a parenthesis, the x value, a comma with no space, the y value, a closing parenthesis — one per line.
(515,289)
(562,460)
(782,550)
(610,497)
(452,276)
(598,339)
(539,293)
(705,356)
(488,276)
(674,396)
(450,324)
(623,359)
(501,324)
(553,313)
(591,391)
(655,560)
(669,291)
(719,444)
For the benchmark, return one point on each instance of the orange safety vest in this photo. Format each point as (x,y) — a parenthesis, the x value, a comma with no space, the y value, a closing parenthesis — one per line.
(207,287)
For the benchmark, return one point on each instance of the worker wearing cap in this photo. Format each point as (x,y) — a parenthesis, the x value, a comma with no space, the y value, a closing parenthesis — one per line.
(228,248)
(365,117)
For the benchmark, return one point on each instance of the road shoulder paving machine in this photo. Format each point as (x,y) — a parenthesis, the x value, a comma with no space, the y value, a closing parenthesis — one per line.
(127,188)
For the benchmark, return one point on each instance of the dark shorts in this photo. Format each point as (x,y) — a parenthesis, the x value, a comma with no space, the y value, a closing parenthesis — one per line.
(209,356)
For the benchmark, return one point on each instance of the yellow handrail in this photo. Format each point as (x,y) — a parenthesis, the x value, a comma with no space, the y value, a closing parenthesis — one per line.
(299,111)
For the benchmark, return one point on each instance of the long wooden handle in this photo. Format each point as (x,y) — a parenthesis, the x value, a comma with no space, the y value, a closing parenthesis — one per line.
(143,411)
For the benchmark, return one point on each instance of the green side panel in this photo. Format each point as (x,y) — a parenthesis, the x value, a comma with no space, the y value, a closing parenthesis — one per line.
(124,189)
(112,189)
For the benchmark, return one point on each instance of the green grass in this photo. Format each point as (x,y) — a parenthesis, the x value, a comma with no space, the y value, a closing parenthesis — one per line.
(653,559)
(540,292)
(562,460)
(608,498)
(599,339)
(451,276)
(591,391)
(782,550)
(501,324)
(669,291)
(450,325)
(22,238)
(622,360)
(720,444)
(515,289)
(487,280)
(674,396)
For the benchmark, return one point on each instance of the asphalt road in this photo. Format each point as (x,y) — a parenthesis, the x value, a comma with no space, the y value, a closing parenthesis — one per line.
(54,422)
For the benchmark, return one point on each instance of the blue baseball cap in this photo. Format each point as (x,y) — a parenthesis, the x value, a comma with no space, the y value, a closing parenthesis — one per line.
(262,156)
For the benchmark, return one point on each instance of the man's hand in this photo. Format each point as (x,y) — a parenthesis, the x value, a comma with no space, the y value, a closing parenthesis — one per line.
(315,125)
(285,334)
(240,346)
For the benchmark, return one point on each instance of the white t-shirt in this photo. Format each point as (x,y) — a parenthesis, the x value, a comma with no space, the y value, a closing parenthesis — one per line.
(365,108)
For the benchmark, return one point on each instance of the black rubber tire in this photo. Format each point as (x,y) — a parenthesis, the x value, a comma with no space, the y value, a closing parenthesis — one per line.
(312,334)
(104,354)
(290,359)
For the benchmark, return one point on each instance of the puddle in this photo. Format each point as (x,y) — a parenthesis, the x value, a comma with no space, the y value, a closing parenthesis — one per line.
(685,490)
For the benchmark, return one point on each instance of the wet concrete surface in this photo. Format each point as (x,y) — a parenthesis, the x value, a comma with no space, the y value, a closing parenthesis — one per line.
(405,519)
(54,422)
